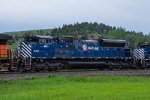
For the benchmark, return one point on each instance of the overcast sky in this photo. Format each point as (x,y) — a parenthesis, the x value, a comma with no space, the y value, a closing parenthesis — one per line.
(19,15)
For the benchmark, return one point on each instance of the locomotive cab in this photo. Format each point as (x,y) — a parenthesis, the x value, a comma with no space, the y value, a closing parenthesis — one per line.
(144,51)
(43,47)
(36,47)
(3,45)
(5,54)
(39,39)
(142,55)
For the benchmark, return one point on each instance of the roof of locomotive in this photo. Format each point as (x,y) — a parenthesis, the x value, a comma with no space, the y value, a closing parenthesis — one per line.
(144,45)
(37,37)
(112,42)
(91,41)
(44,36)
(5,37)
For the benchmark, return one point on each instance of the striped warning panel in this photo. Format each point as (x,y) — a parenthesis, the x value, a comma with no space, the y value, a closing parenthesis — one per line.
(139,53)
(25,50)
(18,51)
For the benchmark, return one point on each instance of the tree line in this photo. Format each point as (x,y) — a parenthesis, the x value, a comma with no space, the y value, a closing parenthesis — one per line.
(87,30)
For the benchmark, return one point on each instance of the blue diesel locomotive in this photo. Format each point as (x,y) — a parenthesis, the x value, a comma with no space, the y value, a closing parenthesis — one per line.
(141,55)
(51,53)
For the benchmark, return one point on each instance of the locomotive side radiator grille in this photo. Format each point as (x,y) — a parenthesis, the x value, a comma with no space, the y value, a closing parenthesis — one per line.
(139,54)
(26,50)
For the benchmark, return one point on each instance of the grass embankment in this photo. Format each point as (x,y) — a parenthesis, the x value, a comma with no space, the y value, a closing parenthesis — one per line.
(77,88)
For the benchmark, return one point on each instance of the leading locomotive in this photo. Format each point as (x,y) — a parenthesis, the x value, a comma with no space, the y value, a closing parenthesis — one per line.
(51,53)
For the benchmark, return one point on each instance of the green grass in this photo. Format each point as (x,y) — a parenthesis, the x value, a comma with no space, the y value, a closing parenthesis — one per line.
(77,88)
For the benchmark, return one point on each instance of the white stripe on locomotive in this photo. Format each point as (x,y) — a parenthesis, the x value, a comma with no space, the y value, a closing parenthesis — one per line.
(139,53)
(29,52)
(26,53)
(26,50)
(27,46)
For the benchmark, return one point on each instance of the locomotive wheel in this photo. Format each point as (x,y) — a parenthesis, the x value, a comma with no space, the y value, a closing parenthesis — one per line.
(101,68)
(56,66)
(49,69)
(60,66)
(37,70)
(110,66)
(4,67)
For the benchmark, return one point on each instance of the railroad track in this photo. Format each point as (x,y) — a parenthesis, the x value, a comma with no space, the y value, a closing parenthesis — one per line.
(18,75)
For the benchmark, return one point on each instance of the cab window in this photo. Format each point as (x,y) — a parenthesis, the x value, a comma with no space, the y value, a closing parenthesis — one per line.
(44,41)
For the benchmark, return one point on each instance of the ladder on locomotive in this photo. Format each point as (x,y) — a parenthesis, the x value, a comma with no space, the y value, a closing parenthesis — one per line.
(13,60)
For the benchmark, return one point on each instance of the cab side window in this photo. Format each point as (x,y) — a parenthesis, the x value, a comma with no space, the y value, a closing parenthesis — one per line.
(45,41)
(40,41)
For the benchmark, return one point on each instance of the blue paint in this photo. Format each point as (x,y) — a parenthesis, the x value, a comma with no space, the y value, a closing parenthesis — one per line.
(62,49)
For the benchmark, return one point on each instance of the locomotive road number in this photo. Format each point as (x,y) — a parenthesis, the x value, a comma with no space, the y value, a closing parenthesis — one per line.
(36,51)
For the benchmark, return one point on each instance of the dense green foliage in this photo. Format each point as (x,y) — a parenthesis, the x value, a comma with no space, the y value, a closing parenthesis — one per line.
(77,88)
(82,29)
(86,30)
